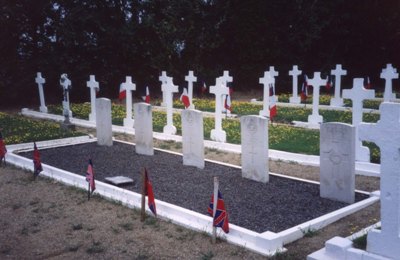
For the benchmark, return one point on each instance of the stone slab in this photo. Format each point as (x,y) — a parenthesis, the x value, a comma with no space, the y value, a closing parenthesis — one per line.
(119,180)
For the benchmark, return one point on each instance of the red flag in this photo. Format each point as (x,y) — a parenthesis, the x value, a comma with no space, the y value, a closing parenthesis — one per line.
(367,83)
(3,149)
(221,216)
(90,177)
(203,88)
(147,98)
(185,98)
(122,92)
(304,89)
(272,104)
(329,83)
(149,193)
(37,165)
(228,103)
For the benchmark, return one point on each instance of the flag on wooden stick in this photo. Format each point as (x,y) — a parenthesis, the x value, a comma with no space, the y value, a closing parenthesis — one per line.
(90,178)
(149,193)
(219,214)
(37,164)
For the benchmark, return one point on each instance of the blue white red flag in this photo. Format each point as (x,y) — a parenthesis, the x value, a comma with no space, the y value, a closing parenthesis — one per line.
(221,216)
(150,195)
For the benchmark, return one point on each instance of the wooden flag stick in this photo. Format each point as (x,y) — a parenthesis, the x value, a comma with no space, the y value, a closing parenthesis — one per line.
(214,236)
(143,208)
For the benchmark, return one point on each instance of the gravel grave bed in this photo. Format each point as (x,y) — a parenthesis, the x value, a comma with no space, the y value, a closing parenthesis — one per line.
(275,206)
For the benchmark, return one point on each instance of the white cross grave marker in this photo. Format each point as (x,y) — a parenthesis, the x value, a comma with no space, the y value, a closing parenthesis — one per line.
(357,95)
(219,90)
(94,87)
(315,118)
(40,81)
(190,78)
(388,74)
(273,73)
(337,101)
(266,81)
(169,89)
(295,72)
(225,79)
(128,86)
(163,78)
(385,134)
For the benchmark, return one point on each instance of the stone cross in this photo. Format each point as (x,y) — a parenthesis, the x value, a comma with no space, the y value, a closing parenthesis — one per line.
(315,118)
(128,86)
(337,101)
(273,73)
(163,78)
(190,78)
(357,95)
(295,72)
(226,78)
(65,83)
(94,87)
(40,81)
(385,134)
(219,90)
(266,81)
(169,89)
(388,74)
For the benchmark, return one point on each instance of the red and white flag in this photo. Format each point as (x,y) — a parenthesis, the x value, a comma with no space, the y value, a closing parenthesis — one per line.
(185,98)
(329,83)
(147,97)
(272,104)
(367,83)
(122,92)
(90,178)
(37,164)
(203,88)
(304,89)
(228,103)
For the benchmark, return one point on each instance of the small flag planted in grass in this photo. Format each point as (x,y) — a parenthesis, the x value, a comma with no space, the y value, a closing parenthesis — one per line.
(37,164)
(3,149)
(90,178)
(218,212)
(147,190)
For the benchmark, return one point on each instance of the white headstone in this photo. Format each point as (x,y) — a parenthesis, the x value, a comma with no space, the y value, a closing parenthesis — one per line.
(40,81)
(190,78)
(385,134)
(94,87)
(295,72)
(169,89)
(266,81)
(357,95)
(315,118)
(163,78)
(337,101)
(219,90)
(103,122)
(143,129)
(337,162)
(388,74)
(192,138)
(128,86)
(254,130)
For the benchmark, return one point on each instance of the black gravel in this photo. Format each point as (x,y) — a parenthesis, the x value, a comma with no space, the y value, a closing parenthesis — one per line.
(275,206)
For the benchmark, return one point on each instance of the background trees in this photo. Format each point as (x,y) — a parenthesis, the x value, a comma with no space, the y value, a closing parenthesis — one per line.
(115,38)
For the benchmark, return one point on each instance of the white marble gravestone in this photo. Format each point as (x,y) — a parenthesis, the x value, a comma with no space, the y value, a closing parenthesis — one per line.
(94,87)
(315,118)
(357,95)
(128,86)
(338,72)
(266,81)
(385,134)
(295,72)
(169,89)
(219,90)
(254,131)
(40,81)
(163,78)
(337,162)
(190,78)
(143,129)
(388,74)
(103,122)
(192,138)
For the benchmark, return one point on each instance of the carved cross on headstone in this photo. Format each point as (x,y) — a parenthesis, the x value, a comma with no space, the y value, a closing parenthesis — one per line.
(295,72)
(357,95)
(128,86)
(190,78)
(65,83)
(163,78)
(40,81)
(316,82)
(266,81)
(388,74)
(94,87)
(385,134)
(219,90)
(337,101)
(169,89)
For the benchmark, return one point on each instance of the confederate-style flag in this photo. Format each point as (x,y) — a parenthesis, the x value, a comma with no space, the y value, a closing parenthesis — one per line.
(272,104)
(329,83)
(90,177)
(149,192)
(304,89)
(367,83)
(3,149)
(122,92)
(37,165)
(185,98)
(221,216)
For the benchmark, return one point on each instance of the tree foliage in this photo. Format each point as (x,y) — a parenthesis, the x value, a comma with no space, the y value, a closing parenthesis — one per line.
(115,38)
